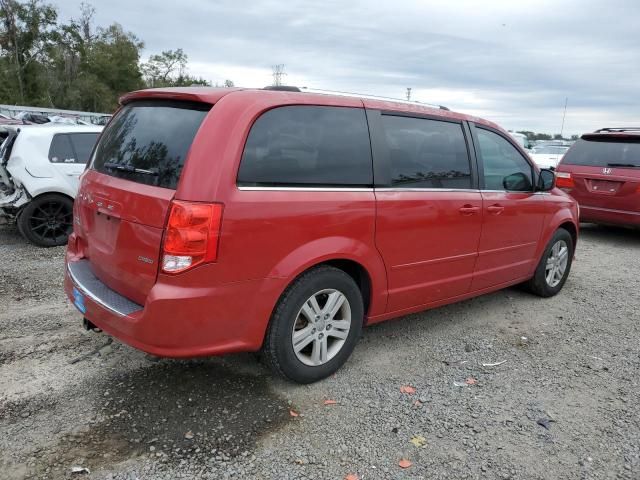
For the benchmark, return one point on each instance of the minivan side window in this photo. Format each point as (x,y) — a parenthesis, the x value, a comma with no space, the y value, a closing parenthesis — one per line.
(503,166)
(303,145)
(427,153)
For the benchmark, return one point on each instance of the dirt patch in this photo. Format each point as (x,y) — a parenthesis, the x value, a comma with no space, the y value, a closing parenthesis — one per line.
(14,411)
(170,411)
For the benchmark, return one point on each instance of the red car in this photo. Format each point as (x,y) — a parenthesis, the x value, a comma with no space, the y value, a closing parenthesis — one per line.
(213,221)
(602,172)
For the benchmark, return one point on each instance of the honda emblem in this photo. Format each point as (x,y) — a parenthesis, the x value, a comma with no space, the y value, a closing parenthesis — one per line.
(606,171)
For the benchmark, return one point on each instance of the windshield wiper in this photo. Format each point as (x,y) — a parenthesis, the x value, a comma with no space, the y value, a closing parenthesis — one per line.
(622,165)
(130,169)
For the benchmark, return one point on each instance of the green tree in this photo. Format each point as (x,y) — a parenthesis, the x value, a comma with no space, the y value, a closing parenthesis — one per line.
(112,60)
(27,31)
(164,69)
(169,69)
(74,65)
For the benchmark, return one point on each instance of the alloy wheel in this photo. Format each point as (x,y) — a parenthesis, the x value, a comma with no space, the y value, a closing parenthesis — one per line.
(321,327)
(557,263)
(51,221)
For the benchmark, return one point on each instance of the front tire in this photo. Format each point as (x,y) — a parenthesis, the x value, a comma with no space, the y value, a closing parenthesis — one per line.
(554,267)
(47,221)
(315,325)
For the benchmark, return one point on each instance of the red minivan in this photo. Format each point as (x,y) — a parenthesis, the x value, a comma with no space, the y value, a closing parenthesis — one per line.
(212,221)
(602,172)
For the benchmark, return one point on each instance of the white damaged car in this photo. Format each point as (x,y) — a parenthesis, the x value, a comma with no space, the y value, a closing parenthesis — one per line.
(39,170)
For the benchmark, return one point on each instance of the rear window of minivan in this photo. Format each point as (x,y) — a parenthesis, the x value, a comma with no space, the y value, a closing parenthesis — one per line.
(313,146)
(604,152)
(147,141)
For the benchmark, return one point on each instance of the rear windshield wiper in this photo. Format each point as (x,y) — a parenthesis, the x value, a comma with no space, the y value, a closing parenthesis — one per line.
(622,165)
(130,169)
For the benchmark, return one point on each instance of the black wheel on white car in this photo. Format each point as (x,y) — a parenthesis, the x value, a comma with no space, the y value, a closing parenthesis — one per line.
(315,325)
(47,221)
(554,267)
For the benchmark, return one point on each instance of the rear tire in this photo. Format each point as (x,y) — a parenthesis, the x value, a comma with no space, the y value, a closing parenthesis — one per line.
(47,221)
(554,267)
(315,325)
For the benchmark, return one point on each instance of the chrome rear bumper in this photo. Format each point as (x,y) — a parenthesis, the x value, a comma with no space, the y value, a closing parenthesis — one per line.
(91,286)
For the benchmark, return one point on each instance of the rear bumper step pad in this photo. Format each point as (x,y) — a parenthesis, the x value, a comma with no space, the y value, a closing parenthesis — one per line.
(84,279)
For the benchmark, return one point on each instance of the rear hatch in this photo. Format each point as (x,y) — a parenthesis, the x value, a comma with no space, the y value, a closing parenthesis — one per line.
(124,199)
(604,170)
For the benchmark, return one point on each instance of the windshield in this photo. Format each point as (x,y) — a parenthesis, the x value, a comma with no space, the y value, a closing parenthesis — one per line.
(602,153)
(551,150)
(148,141)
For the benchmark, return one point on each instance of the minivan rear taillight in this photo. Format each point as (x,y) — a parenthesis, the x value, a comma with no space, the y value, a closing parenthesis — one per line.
(564,180)
(191,236)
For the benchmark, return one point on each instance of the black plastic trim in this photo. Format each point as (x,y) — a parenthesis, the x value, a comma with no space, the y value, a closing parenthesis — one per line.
(379,149)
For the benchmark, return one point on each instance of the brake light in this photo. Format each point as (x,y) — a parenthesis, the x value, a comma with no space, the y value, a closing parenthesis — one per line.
(191,236)
(564,180)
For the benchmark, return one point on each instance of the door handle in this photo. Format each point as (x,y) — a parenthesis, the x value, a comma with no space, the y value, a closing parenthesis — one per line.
(469,210)
(495,209)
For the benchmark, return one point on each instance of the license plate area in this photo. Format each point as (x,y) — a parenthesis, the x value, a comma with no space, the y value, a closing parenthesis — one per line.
(604,187)
(78,300)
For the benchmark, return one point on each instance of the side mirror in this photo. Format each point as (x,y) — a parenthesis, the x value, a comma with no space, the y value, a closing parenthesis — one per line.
(546,180)
(517,182)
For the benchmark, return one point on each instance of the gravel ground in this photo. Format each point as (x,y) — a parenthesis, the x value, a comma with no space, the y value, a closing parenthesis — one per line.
(564,405)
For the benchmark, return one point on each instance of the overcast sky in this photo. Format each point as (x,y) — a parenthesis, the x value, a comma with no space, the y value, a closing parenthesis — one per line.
(513,62)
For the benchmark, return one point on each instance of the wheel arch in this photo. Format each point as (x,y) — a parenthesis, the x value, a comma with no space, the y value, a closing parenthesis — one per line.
(358,273)
(46,192)
(572,229)
(562,219)
(356,270)
(360,261)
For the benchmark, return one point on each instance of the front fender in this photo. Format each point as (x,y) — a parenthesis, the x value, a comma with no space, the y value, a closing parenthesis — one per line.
(565,214)
(322,250)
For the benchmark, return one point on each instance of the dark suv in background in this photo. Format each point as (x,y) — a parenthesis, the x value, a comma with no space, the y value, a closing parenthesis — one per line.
(602,172)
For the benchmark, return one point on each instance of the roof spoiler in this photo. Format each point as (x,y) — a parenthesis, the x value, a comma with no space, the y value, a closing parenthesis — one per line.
(618,129)
(282,88)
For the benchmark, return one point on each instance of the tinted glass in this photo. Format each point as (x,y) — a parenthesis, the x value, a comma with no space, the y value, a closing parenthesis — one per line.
(426,153)
(603,153)
(306,145)
(61,150)
(147,142)
(83,145)
(501,161)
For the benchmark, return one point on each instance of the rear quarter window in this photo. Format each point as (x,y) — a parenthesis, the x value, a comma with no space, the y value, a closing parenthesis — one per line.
(83,144)
(61,150)
(148,141)
(308,146)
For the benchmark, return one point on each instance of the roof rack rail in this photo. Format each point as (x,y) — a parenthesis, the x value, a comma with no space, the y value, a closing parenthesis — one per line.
(282,88)
(372,97)
(618,129)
